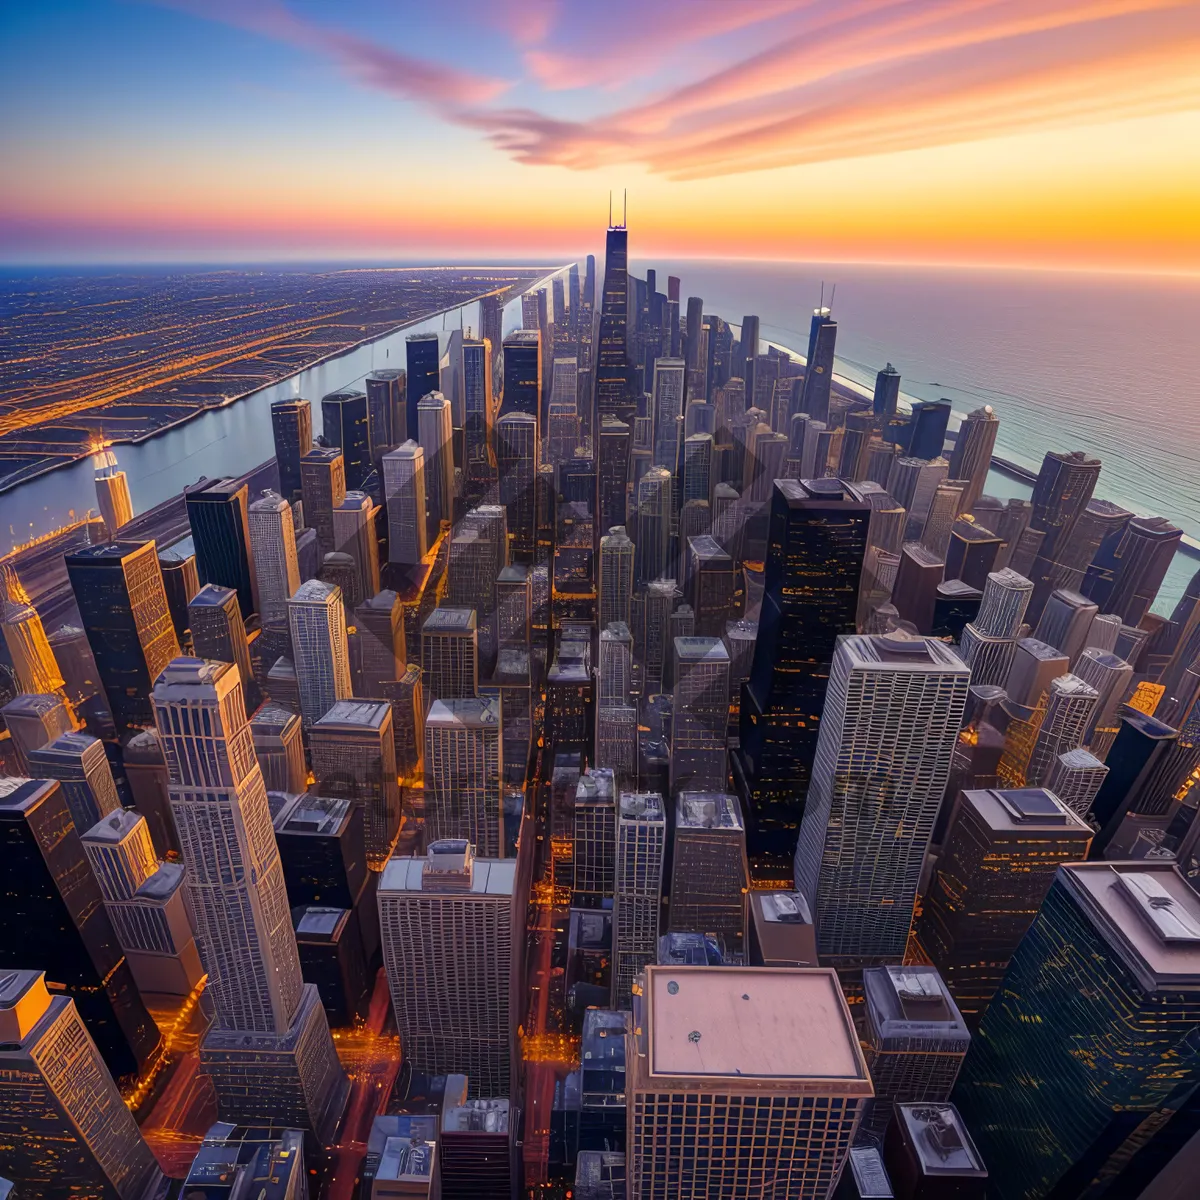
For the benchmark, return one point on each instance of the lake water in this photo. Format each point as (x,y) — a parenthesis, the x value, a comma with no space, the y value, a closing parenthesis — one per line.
(1100,363)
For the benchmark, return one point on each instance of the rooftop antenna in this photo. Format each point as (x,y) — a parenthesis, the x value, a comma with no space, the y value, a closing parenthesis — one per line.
(625,211)
(822,304)
(610,224)
(831,296)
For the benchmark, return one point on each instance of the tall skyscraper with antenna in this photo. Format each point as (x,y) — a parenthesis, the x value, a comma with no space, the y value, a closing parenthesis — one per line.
(268,1051)
(614,396)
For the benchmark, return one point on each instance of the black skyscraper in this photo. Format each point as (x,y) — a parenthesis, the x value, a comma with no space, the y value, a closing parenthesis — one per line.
(424,374)
(887,392)
(386,392)
(818,536)
(346,425)
(124,611)
(929,421)
(54,918)
(218,514)
(818,371)
(523,374)
(613,366)
(291,425)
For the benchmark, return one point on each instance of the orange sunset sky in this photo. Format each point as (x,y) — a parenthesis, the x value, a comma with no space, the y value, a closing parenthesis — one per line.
(1055,133)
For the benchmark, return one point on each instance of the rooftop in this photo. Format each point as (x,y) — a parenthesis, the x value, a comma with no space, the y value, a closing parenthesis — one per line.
(701,649)
(912,1001)
(751,1022)
(212,595)
(115,827)
(1026,810)
(315,591)
(163,884)
(1147,912)
(316,923)
(273,718)
(489,877)
(66,745)
(708,810)
(467,712)
(446,619)
(1042,651)
(306,813)
(642,806)
(940,1139)
(355,714)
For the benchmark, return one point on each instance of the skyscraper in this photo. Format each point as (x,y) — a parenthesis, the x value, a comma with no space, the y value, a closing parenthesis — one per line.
(637,884)
(354,534)
(1108,1052)
(323,487)
(700,716)
(891,721)
(144,901)
(273,548)
(78,762)
(710,878)
(450,655)
(998,860)
(989,642)
(386,396)
(453,929)
(613,472)
(614,393)
(34,722)
(268,1051)
(915,1040)
(523,374)
(112,493)
(1130,566)
(317,619)
(667,399)
(479,463)
(616,576)
(1065,621)
(353,753)
(382,649)
(346,425)
(972,456)
(653,534)
(423,359)
(29,649)
(437,446)
(119,591)
(818,537)
(54,915)
(741,1082)
(279,748)
(818,370)
(887,392)
(464,768)
(291,428)
(218,633)
(404,488)
(517,465)
(218,513)
(64,1127)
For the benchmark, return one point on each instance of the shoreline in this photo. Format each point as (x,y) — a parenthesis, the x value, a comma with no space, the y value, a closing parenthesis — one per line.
(1188,546)
(13,484)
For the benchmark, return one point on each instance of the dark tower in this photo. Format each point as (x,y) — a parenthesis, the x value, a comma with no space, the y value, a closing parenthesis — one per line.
(818,536)
(54,917)
(613,365)
(123,607)
(218,513)
(818,371)
(346,426)
(386,392)
(887,393)
(424,374)
(291,427)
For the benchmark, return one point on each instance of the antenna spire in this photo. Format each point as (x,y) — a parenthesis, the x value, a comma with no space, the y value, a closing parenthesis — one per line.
(822,304)
(831,296)
(610,224)
(625,210)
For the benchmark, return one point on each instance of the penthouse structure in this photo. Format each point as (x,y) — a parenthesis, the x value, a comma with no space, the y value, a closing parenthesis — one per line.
(453,926)
(741,1081)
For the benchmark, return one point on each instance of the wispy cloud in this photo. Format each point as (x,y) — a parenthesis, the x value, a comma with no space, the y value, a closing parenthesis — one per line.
(368,63)
(781,82)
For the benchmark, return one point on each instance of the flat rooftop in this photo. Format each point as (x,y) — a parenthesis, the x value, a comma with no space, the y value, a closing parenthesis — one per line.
(1148,913)
(708,810)
(490,877)
(114,827)
(449,620)
(1027,810)
(751,1022)
(356,714)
